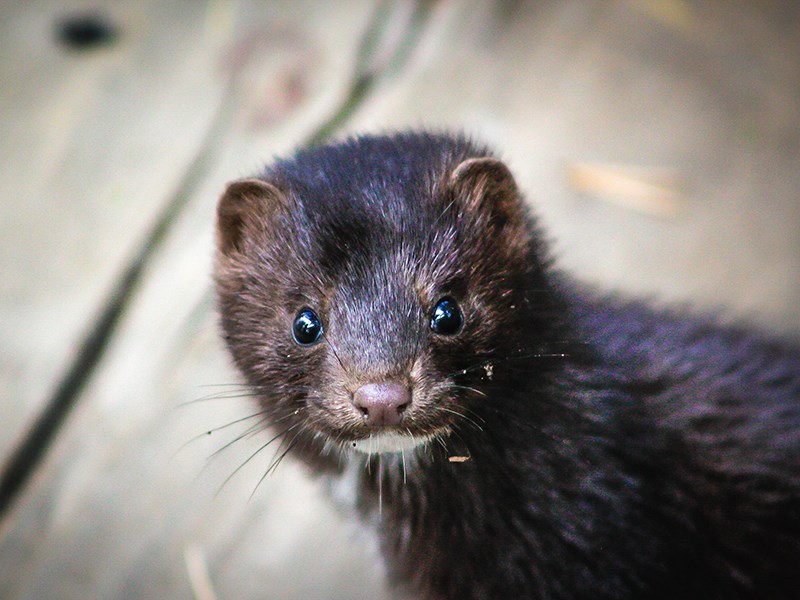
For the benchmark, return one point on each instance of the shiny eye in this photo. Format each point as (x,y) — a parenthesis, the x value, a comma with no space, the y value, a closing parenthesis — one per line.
(307,328)
(446,318)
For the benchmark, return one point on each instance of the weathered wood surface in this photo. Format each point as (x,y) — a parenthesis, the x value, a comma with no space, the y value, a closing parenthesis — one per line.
(79,183)
(95,146)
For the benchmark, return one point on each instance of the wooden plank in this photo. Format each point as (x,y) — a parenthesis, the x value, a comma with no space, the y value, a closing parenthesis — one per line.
(78,176)
(120,504)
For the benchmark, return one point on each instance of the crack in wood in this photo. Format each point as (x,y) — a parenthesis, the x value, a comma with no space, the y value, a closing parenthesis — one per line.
(32,448)
(374,64)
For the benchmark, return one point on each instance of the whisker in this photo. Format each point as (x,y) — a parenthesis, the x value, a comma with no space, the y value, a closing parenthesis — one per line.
(250,431)
(461,415)
(253,429)
(247,391)
(456,434)
(239,384)
(276,461)
(274,464)
(503,360)
(249,458)
(466,387)
(217,396)
(380,486)
(220,428)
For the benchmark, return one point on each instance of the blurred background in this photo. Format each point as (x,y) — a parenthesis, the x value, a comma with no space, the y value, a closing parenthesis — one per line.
(658,141)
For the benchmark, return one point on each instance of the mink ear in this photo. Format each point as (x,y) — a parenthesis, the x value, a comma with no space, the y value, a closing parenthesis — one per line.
(487,185)
(246,207)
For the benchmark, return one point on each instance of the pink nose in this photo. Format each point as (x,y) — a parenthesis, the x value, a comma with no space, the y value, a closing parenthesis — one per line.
(382,403)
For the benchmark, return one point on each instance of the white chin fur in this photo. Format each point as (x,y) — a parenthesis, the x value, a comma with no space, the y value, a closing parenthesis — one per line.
(389,442)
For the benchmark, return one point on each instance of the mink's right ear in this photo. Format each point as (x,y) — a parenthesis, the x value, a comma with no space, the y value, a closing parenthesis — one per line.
(246,208)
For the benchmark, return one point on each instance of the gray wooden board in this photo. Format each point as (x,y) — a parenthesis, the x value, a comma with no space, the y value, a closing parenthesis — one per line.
(78,179)
(710,91)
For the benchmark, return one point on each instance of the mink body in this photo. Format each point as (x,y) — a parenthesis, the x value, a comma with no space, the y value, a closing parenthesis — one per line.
(558,443)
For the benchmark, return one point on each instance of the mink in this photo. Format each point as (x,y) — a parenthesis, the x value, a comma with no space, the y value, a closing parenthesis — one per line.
(510,432)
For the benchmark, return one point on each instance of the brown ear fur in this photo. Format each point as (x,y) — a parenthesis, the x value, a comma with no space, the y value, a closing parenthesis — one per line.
(245,206)
(488,186)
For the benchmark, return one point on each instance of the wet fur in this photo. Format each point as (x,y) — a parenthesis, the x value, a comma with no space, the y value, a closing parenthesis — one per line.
(614,451)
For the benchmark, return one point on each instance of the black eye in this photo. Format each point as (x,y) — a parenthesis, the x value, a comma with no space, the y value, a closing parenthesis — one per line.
(307,328)
(446,318)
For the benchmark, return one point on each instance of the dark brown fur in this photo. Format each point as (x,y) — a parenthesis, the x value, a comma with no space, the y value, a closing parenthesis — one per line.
(613,451)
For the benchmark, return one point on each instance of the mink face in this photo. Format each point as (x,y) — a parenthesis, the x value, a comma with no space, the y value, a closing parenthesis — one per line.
(360,297)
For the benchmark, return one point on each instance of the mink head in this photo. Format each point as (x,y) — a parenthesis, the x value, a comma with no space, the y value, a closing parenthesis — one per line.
(367,289)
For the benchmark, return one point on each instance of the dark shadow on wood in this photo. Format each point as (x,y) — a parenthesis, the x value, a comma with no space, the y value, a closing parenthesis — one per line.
(32,448)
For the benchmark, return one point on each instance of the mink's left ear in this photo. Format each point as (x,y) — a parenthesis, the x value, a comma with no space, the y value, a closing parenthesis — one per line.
(487,185)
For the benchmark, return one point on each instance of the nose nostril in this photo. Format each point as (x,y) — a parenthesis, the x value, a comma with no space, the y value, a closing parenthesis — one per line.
(382,403)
